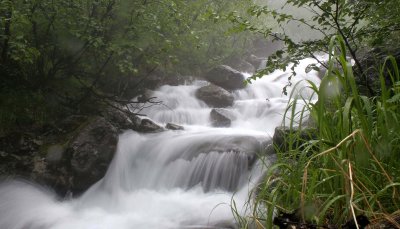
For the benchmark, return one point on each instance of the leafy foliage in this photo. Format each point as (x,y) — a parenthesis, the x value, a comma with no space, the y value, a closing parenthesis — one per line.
(347,169)
(72,53)
(358,22)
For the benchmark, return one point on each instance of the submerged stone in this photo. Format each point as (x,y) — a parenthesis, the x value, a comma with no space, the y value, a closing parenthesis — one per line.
(221,117)
(172,126)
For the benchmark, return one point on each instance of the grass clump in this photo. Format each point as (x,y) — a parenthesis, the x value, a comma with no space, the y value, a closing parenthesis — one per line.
(350,167)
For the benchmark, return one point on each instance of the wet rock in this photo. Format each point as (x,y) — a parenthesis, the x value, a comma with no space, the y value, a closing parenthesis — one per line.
(322,72)
(215,96)
(371,63)
(154,80)
(240,64)
(17,151)
(172,126)
(71,123)
(118,118)
(265,47)
(245,66)
(255,61)
(319,68)
(145,97)
(250,145)
(226,77)
(55,154)
(123,120)
(221,117)
(71,157)
(145,125)
(159,78)
(20,161)
(91,151)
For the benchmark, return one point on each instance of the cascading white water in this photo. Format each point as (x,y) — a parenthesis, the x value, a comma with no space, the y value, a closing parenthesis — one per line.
(173,179)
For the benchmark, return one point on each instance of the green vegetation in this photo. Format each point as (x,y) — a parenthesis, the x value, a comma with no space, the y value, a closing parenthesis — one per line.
(59,58)
(306,26)
(349,167)
(63,57)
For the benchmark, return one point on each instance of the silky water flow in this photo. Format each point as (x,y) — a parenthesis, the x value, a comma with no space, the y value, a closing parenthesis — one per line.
(174,179)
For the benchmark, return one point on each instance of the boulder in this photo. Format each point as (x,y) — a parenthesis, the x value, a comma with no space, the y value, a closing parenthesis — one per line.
(145,125)
(265,47)
(158,78)
(91,151)
(319,68)
(172,126)
(145,96)
(17,151)
(221,117)
(215,96)
(118,118)
(26,157)
(71,123)
(245,66)
(371,63)
(240,64)
(239,153)
(250,145)
(255,61)
(154,79)
(55,154)
(226,77)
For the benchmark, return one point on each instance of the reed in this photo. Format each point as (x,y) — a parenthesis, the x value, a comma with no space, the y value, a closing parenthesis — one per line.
(351,165)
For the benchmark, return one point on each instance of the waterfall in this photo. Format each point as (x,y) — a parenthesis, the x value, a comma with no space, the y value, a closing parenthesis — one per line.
(173,179)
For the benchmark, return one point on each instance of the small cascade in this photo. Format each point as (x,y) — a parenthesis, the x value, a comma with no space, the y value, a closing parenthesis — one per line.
(173,179)
(173,160)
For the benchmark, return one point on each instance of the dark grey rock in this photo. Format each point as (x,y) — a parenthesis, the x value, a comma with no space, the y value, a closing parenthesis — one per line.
(124,120)
(221,117)
(245,66)
(215,96)
(172,126)
(159,78)
(265,47)
(75,155)
(240,64)
(145,125)
(371,63)
(145,96)
(91,151)
(320,68)
(255,61)
(226,77)
(117,116)
(250,145)
(71,123)
(154,80)
(55,154)
(240,153)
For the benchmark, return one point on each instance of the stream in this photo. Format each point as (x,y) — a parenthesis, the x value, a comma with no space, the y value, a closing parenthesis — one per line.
(176,178)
